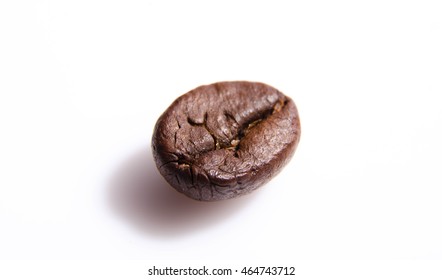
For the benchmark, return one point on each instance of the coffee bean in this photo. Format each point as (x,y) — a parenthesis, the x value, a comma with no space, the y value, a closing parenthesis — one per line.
(226,139)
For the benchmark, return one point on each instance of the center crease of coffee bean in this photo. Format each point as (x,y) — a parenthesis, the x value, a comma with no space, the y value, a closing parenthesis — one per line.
(243,131)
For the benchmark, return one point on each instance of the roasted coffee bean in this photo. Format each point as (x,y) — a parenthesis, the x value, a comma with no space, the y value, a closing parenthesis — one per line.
(226,139)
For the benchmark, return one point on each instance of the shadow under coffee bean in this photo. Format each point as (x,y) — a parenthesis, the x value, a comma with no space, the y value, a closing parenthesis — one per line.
(226,139)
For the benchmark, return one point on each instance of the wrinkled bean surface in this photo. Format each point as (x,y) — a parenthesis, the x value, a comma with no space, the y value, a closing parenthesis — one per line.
(226,139)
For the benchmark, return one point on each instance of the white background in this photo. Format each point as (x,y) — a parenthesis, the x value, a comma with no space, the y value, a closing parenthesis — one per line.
(83,82)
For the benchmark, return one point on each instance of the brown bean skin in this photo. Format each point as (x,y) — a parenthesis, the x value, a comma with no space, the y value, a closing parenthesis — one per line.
(226,139)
